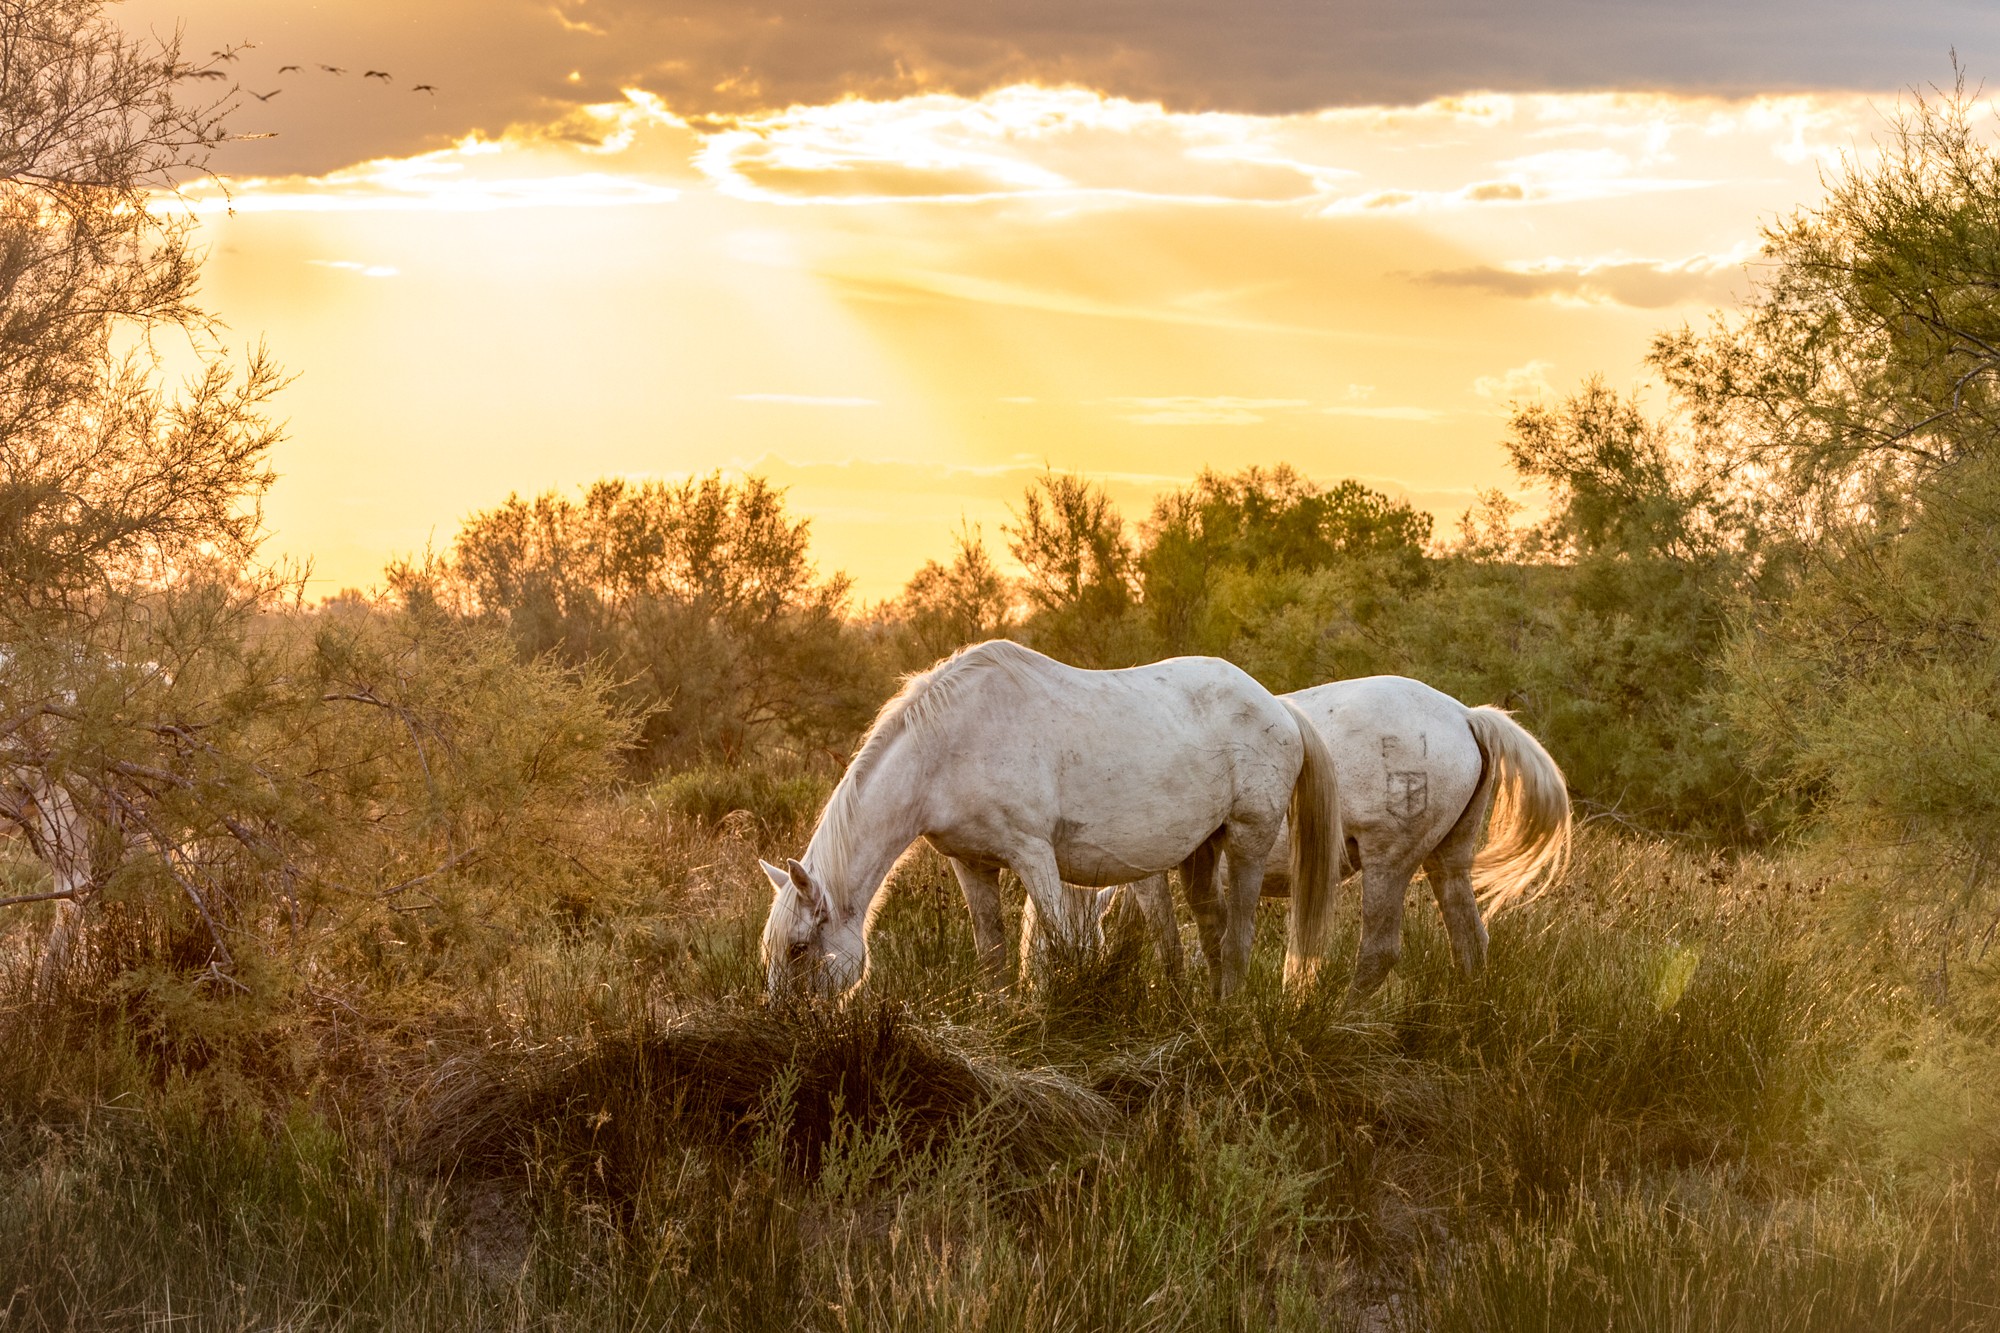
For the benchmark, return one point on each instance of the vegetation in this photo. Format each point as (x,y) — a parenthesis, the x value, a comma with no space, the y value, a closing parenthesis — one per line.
(698,598)
(418,981)
(1678,1100)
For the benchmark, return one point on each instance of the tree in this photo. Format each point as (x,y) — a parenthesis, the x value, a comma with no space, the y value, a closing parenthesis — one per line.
(1617,484)
(1604,624)
(1079,573)
(1858,396)
(102,473)
(127,509)
(945,607)
(1868,358)
(1230,556)
(700,596)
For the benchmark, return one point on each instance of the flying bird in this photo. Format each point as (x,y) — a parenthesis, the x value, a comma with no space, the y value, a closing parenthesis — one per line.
(263,97)
(223,55)
(288,69)
(425,88)
(206,74)
(333,69)
(381,74)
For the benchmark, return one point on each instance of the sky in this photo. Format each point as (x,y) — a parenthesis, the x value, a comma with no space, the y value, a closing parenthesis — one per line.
(898,256)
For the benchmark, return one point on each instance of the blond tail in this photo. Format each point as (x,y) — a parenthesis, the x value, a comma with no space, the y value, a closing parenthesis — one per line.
(1316,847)
(1528,837)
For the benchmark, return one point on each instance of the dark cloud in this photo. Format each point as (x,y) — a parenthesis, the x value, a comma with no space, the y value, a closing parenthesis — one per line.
(497,62)
(1278,55)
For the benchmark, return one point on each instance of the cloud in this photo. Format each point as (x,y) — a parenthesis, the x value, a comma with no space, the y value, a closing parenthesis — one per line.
(1021,140)
(354,266)
(1529,381)
(1385,413)
(496,66)
(1648,284)
(806,400)
(1267,56)
(918,286)
(473,176)
(1190,410)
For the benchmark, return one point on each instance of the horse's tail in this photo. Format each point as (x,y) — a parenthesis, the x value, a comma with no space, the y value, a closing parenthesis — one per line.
(1528,838)
(1317,841)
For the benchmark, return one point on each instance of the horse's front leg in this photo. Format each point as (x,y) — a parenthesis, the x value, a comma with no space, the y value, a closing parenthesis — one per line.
(1066,917)
(1157,903)
(981,885)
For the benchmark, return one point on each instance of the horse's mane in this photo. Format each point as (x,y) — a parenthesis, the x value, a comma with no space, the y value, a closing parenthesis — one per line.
(924,698)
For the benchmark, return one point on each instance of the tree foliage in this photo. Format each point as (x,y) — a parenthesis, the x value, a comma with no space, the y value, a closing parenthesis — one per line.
(1857,397)
(177,733)
(103,472)
(1079,573)
(1603,624)
(1289,577)
(698,596)
(945,607)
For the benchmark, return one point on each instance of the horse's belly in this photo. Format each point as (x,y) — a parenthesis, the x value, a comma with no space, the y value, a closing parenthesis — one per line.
(1104,854)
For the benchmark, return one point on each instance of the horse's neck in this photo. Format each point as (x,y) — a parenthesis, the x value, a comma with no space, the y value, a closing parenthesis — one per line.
(869,824)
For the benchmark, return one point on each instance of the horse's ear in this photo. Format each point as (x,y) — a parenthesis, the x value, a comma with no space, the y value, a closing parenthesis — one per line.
(779,879)
(809,889)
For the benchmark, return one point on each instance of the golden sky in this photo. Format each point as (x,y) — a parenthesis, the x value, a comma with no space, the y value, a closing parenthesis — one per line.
(901,294)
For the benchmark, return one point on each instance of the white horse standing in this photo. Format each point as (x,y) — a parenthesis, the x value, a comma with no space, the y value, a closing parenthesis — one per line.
(1418,774)
(1001,757)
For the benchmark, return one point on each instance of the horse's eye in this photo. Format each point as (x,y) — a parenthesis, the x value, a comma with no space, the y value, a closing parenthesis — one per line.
(798,952)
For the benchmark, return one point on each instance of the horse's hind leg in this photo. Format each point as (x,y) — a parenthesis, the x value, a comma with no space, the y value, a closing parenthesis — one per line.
(981,886)
(1198,875)
(1383,884)
(1451,884)
(1449,867)
(1244,886)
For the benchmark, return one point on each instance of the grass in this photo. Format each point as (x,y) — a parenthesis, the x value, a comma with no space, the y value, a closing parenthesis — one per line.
(1676,1100)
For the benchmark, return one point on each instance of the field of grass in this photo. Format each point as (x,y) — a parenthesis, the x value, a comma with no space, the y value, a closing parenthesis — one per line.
(1686,1095)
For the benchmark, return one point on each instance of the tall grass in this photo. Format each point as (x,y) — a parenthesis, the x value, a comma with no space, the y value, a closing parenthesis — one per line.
(1667,1104)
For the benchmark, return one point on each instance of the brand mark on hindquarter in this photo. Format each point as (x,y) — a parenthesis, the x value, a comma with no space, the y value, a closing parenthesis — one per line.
(1403,769)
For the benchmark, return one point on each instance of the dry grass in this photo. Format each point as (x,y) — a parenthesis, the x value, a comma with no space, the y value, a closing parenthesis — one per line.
(1675,1080)
(725,1076)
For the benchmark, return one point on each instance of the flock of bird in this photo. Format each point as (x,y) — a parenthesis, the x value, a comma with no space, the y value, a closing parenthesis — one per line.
(229,55)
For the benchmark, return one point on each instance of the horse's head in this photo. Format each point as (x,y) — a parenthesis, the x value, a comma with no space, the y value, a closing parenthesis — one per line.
(805,946)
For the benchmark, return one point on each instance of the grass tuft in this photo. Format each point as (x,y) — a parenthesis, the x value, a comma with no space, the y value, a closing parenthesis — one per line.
(612,1110)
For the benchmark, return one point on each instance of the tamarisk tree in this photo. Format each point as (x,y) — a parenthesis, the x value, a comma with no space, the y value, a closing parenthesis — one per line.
(116,492)
(176,730)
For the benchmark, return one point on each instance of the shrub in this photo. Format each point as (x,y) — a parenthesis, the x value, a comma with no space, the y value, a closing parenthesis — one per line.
(780,803)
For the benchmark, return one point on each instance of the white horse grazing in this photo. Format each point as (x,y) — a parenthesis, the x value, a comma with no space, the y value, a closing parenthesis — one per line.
(1419,773)
(1001,757)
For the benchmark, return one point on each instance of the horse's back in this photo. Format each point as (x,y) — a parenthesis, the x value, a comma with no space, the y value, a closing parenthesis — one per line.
(1123,772)
(1110,725)
(1406,757)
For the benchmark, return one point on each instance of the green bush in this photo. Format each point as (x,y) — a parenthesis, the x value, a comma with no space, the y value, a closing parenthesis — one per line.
(778,802)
